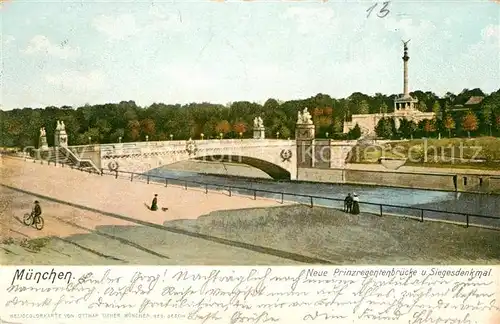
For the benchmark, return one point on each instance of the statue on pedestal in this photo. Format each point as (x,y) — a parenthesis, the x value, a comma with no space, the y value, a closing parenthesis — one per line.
(60,137)
(258,122)
(304,117)
(42,144)
(258,128)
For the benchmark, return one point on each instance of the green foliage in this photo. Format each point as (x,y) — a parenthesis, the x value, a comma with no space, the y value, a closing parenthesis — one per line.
(436,108)
(407,128)
(384,128)
(363,107)
(383,108)
(354,133)
(106,123)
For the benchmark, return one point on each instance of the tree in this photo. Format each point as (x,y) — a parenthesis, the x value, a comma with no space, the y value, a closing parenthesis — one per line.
(422,106)
(498,122)
(240,127)
(407,128)
(223,127)
(328,111)
(384,128)
(285,131)
(449,124)
(115,136)
(429,126)
(317,112)
(148,127)
(383,108)
(436,109)
(355,132)
(338,125)
(363,107)
(469,123)
(487,114)
(133,129)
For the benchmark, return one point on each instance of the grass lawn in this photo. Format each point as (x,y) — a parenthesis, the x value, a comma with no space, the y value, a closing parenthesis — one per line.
(474,153)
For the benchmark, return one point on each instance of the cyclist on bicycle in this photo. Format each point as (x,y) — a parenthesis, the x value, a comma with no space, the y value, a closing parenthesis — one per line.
(37,210)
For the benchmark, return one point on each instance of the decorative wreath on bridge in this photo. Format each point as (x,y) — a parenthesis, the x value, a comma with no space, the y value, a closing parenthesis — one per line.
(191,147)
(286,155)
(113,166)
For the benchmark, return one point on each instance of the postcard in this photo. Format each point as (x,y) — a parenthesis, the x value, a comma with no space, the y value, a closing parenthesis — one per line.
(250,161)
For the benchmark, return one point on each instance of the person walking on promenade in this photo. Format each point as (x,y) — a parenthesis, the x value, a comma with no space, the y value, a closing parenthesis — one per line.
(154,204)
(355,204)
(348,203)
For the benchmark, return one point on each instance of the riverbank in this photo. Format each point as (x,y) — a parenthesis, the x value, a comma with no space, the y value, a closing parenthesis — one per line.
(90,219)
(102,220)
(346,239)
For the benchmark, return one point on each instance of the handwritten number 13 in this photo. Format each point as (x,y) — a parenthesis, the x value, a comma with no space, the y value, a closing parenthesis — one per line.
(382,13)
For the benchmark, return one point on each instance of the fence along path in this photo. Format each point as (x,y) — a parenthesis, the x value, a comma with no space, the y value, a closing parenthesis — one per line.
(421,214)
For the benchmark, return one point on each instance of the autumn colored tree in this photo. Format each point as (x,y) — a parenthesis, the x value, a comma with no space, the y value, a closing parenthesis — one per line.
(133,129)
(240,127)
(449,124)
(317,112)
(469,123)
(148,127)
(429,126)
(328,111)
(223,127)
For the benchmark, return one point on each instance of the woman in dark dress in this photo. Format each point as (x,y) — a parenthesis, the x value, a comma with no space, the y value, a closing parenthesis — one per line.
(355,204)
(154,204)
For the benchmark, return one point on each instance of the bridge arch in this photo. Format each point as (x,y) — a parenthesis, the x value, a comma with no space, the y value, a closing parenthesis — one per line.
(273,170)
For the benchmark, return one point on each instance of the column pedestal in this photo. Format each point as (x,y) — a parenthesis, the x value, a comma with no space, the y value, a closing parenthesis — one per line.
(42,143)
(259,133)
(304,137)
(60,138)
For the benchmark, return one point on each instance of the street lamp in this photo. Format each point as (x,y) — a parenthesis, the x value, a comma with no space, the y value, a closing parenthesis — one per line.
(221,135)
(277,135)
(90,140)
(202,135)
(327,134)
(119,139)
(147,138)
(171,136)
(241,134)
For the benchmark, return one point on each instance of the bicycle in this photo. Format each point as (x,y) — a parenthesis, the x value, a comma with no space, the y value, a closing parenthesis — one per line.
(31,219)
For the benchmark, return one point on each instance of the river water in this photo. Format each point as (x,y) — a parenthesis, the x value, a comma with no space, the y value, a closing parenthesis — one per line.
(408,201)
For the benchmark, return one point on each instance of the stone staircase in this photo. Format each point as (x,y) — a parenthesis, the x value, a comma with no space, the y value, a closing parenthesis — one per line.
(62,155)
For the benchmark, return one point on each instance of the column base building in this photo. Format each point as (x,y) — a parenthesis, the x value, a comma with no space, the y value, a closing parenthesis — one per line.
(405,107)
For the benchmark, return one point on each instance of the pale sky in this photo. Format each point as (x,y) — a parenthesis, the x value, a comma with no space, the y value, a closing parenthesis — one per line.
(76,52)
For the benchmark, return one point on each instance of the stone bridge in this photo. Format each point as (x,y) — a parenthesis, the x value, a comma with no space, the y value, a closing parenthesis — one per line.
(275,157)
(280,159)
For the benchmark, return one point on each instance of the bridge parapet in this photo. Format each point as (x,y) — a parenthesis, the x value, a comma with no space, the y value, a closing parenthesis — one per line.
(201,145)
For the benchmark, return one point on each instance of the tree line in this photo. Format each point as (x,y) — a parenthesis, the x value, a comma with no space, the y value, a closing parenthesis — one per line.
(128,122)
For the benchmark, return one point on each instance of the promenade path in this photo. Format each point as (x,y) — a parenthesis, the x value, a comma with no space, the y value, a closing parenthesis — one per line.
(72,202)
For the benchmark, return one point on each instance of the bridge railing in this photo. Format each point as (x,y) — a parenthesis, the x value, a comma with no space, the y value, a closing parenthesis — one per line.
(419,213)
